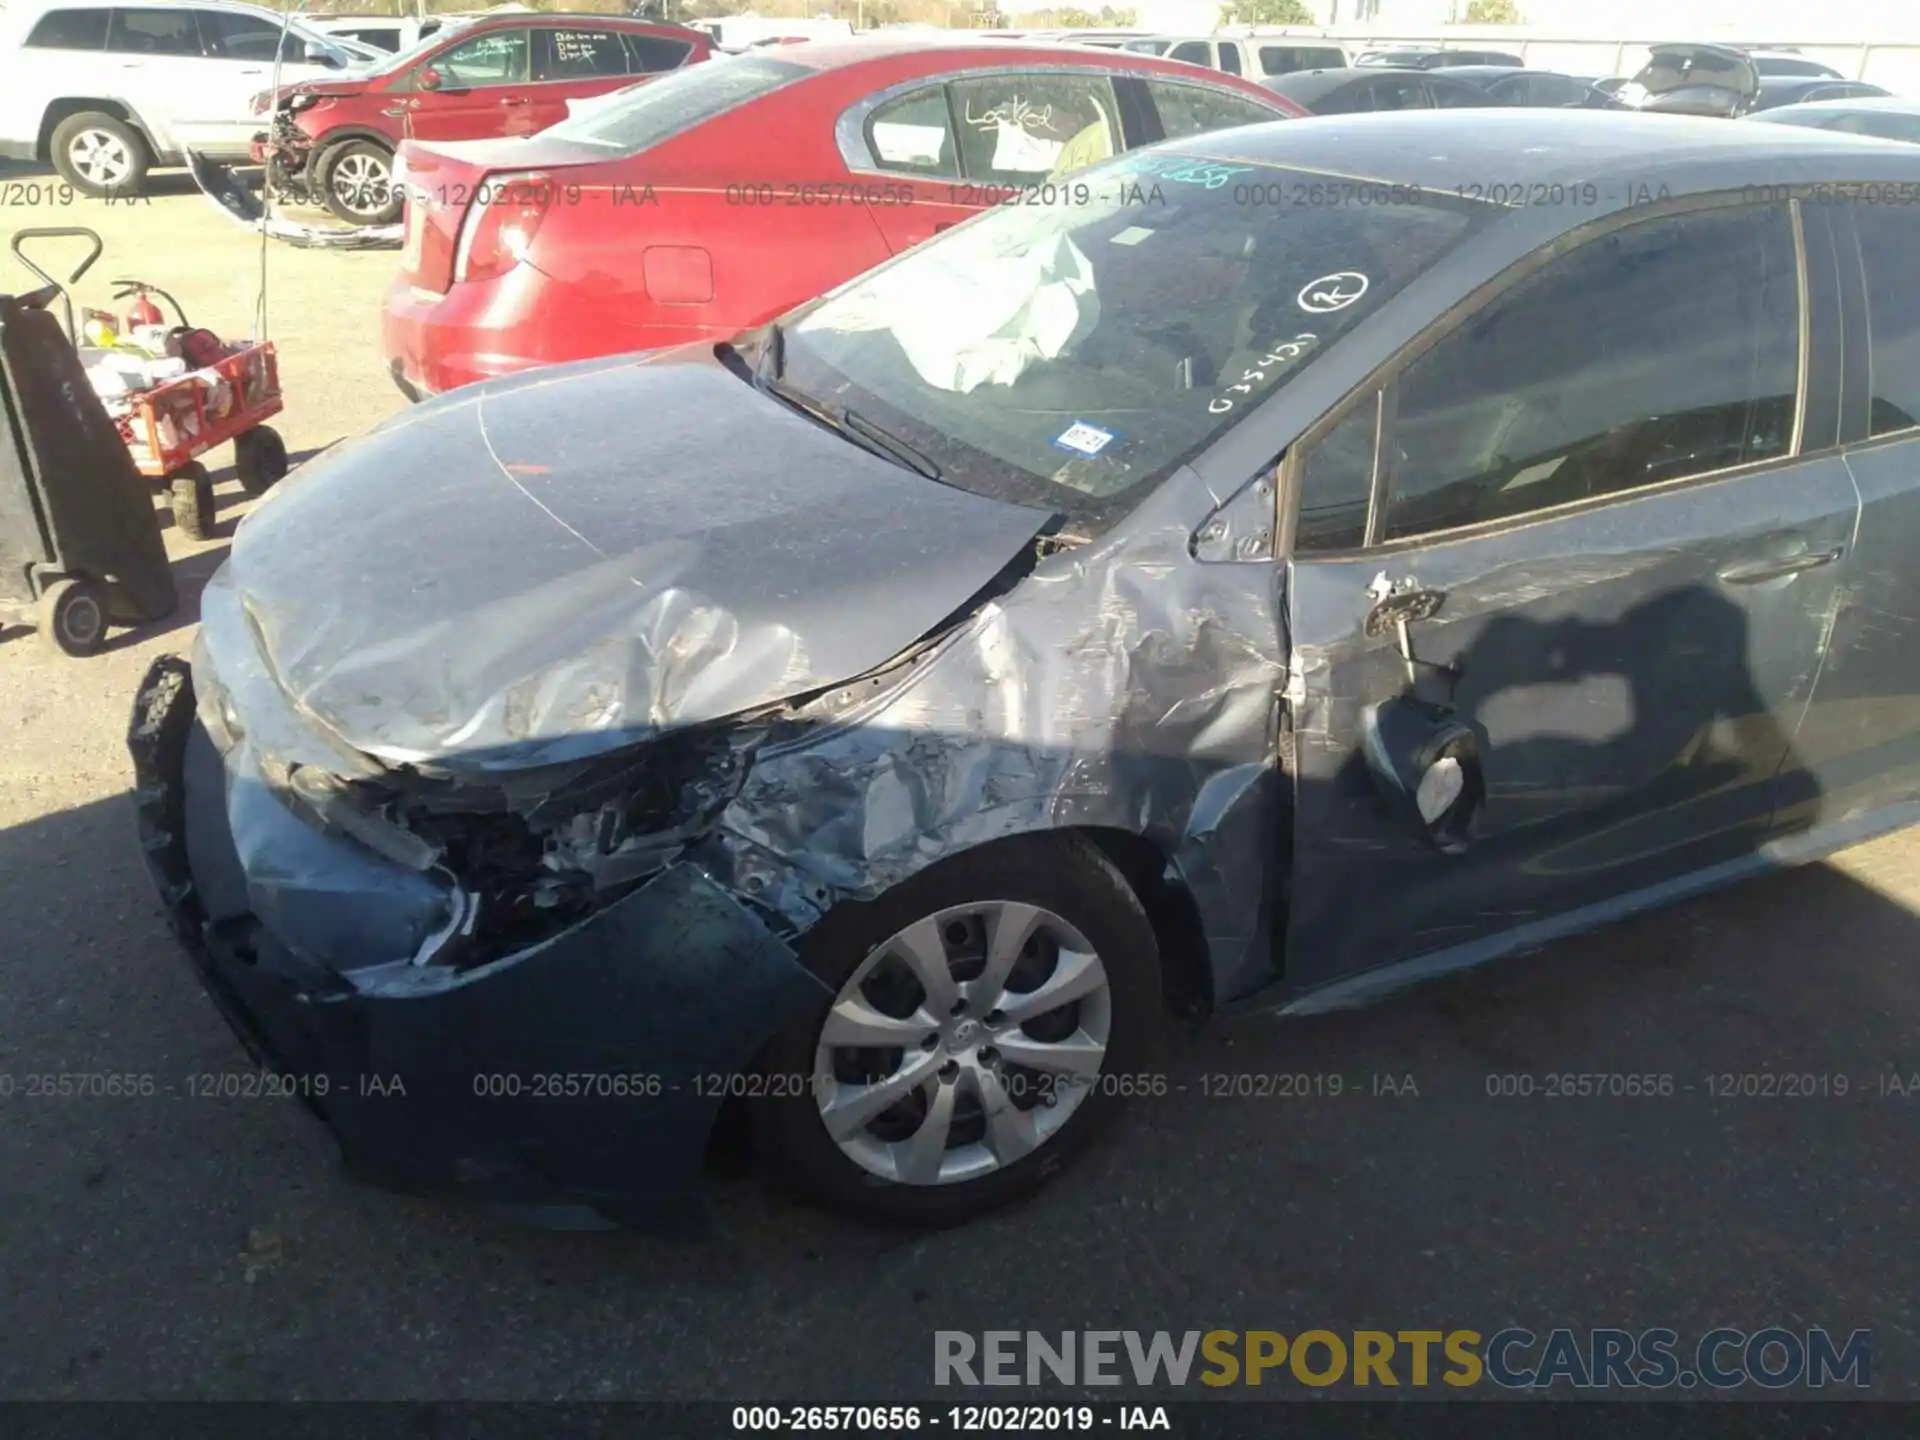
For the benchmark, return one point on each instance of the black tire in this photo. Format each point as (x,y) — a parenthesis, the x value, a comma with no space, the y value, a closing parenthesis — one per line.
(1062,873)
(73,616)
(85,146)
(190,492)
(368,201)
(259,459)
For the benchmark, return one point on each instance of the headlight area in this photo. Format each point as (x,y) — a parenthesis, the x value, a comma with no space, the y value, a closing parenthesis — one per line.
(534,852)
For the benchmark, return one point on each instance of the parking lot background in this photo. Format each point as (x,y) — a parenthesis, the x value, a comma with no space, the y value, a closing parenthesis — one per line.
(188,1247)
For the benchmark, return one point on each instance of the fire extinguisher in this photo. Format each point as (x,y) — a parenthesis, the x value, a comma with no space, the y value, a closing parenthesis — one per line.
(143,311)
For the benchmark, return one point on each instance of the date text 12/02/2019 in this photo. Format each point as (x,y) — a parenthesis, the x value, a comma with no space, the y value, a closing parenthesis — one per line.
(960,1419)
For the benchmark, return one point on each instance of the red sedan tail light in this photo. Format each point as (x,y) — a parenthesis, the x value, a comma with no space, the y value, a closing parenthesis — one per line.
(502,218)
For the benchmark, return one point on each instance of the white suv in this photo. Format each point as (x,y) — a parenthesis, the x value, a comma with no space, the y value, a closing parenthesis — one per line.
(107,89)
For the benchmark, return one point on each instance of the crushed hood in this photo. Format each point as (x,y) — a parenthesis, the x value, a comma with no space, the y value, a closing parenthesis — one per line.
(553,565)
(1692,80)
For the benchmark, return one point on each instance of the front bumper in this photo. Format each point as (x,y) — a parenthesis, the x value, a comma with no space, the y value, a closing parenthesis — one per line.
(585,1071)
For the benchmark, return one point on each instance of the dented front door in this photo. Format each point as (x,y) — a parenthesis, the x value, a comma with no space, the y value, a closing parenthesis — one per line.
(1638,672)
(1611,483)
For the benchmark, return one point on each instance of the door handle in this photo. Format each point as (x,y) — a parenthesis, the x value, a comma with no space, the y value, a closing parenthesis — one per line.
(513,100)
(1758,571)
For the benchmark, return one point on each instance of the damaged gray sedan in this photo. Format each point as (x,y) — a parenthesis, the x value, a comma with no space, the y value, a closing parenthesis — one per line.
(1308,558)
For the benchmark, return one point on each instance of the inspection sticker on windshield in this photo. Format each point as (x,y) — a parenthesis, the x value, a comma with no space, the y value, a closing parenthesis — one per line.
(1084,439)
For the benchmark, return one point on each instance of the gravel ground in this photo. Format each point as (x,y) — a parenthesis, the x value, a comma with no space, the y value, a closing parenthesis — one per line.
(174,1248)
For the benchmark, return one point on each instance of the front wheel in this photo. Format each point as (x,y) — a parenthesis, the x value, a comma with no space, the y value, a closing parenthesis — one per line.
(988,1016)
(99,155)
(356,182)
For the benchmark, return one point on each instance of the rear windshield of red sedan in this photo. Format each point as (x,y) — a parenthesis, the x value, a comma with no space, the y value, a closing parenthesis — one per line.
(648,113)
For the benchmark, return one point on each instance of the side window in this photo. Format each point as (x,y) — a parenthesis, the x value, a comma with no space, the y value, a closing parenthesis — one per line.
(1017,128)
(383,39)
(1455,97)
(1514,90)
(1890,251)
(1194,52)
(1278,60)
(236,35)
(153,32)
(70,30)
(1398,92)
(651,54)
(1194,109)
(580,55)
(498,57)
(1229,57)
(1336,478)
(915,134)
(1663,350)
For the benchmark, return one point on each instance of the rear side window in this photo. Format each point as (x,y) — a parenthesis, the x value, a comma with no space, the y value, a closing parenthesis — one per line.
(914,134)
(1194,52)
(1017,128)
(70,30)
(1194,109)
(153,32)
(1285,59)
(663,108)
(652,54)
(1663,350)
(1890,250)
(234,35)
(579,55)
(387,39)
(1229,57)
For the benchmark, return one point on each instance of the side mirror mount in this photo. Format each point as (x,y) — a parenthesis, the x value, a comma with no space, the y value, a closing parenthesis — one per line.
(429,79)
(1426,766)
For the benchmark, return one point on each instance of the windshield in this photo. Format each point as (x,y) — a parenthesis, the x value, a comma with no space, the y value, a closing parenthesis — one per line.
(646,114)
(1072,356)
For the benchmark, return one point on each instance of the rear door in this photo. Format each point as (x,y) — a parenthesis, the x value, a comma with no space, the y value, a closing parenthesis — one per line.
(483,88)
(1629,512)
(1860,744)
(239,50)
(156,59)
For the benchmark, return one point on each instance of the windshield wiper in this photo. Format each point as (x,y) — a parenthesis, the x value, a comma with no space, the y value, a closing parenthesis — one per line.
(896,447)
(857,428)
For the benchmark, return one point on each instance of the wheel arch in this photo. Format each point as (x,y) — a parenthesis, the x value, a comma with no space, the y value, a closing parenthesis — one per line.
(70,105)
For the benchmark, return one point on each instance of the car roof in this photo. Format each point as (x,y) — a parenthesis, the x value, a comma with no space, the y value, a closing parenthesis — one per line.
(1889,104)
(1479,72)
(1306,86)
(1442,149)
(871,47)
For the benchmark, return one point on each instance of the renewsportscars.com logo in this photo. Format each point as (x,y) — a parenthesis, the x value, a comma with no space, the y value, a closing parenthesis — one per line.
(1772,1358)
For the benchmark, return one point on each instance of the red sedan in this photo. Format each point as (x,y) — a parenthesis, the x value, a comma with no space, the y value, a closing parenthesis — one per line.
(706,202)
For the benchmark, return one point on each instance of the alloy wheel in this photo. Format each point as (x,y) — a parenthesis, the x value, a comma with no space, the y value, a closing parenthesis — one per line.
(101,156)
(362,182)
(963,1043)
